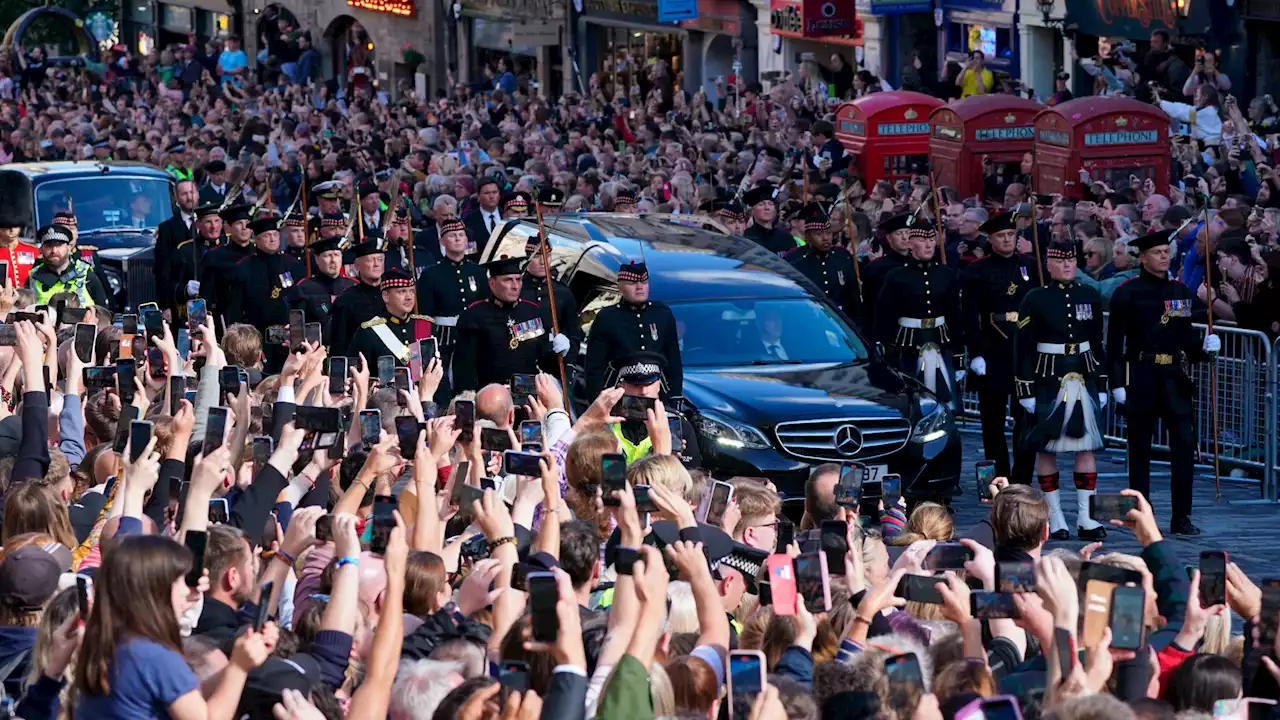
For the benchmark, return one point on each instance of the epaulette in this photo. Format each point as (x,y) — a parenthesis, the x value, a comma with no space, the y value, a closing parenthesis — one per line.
(528,302)
(184,242)
(478,302)
(428,318)
(93,248)
(374,322)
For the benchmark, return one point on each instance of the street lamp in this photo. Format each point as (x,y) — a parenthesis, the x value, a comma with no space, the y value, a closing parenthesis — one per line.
(1046,12)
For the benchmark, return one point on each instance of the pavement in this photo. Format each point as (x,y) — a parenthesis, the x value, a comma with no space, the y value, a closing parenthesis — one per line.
(1250,533)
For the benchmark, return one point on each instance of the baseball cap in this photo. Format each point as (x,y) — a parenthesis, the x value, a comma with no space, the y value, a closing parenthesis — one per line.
(28,578)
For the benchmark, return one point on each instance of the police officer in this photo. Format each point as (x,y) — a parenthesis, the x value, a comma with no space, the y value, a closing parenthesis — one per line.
(624,201)
(399,235)
(263,287)
(992,290)
(641,373)
(1152,344)
(87,254)
(294,229)
(1061,379)
(61,271)
(215,270)
(16,217)
(446,288)
(316,294)
(917,313)
(896,253)
(764,215)
(515,205)
(534,289)
(177,166)
(362,301)
(635,323)
(190,255)
(397,327)
(500,336)
(830,268)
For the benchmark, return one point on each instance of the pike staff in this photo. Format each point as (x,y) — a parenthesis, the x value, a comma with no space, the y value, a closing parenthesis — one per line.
(1213,361)
(551,292)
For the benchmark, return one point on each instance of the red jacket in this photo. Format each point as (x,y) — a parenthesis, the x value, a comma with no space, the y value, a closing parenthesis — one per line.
(1170,658)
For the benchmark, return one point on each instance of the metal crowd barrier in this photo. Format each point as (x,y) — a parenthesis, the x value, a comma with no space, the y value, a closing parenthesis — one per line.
(1247,406)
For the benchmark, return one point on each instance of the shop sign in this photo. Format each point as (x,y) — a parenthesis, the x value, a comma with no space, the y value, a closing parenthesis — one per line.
(787,18)
(1055,137)
(505,9)
(101,24)
(909,128)
(717,16)
(853,127)
(828,17)
(637,10)
(1007,133)
(403,8)
(677,10)
(1121,137)
(1134,19)
(900,7)
(944,132)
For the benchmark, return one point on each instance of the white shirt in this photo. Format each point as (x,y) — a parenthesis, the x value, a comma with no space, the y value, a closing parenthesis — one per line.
(491,219)
(775,348)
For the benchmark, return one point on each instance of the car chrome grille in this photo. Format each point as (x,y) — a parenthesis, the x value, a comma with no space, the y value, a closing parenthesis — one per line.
(139,275)
(816,439)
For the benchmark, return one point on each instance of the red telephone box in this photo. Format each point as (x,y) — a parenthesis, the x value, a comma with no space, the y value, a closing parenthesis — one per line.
(1113,138)
(997,128)
(888,132)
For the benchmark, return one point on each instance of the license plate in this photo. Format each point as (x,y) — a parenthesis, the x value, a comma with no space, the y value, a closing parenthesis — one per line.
(875,472)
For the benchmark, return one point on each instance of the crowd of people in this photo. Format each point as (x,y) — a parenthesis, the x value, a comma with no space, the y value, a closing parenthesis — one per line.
(238,517)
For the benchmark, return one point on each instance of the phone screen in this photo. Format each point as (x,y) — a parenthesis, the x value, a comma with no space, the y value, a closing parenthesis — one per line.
(904,670)
(835,543)
(370,427)
(82,596)
(786,535)
(1066,651)
(531,431)
(746,672)
(721,492)
(197,314)
(337,376)
(613,476)
(948,556)
(407,430)
(464,418)
(195,541)
(177,389)
(386,370)
(215,430)
(850,484)
(86,333)
(811,581)
(1127,607)
(155,363)
(543,595)
(985,473)
(229,379)
(633,407)
(495,440)
(891,488)
(520,463)
(139,438)
(644,503)
(184,343)
(988,605)
(1016,577)
(153,322)
(523,387)
(313,334)
(1109,573)
(1213,578)
(219,511)
(1104,508)
(129,324)
(94,377)
(401,378)
(263,605)
(263,448)
(383,522)
(297,334)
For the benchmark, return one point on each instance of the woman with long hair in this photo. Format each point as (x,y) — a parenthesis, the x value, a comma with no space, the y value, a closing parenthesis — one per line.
(131,663)
(33,507)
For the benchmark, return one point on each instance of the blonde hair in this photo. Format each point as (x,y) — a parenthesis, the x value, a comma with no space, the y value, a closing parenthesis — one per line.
(682,612)
(929,521)
(665,471)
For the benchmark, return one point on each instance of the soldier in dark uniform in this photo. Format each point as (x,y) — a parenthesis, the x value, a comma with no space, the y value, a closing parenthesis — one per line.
(896,253)
(734,216)
(189,254)
(635,323)
(550,200)
(917,316)
(393,331)
(215,270)
(992,290)
(294,229)
(534,289)
(1152,344)
(328,197)
(500,336)
(764,216)
(515,205)
(316,294)
(263,287)
(1061,379)
(624,201)
(399,235)
(362,301)
(446,288)
(828,267)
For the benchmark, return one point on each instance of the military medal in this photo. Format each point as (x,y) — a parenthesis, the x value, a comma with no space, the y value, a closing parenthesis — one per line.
(286,279)
(1023,269)
(840,275)
(653,331)
(275,293)
(1013,287)
(471,281)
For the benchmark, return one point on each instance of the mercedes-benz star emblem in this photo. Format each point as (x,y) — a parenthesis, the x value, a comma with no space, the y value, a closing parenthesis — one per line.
(848,440)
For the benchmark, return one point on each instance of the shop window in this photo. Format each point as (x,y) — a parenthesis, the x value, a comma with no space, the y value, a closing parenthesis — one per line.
(995,42)
(177,19)
(140,11)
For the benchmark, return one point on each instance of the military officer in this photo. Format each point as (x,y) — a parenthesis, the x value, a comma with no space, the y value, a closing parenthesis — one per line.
(328,197)
(502,335)
(397,327)
(399,235)
(363,300)
(635,323)
(992,290)
(896,253)
(60,271)
(16,219)
(1152,345)
(317,293)
(1061,382)
(446,288)
(534,289)
(828,267)
(294,229)
(734,217)
(263,287)
(515,205)
(188,258)
(624,201)
(764,216)
(550,200)
(215,270)
(916,316)
(370,199)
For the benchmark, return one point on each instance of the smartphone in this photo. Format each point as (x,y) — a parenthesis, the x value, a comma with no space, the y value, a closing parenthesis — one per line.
(988,605)
(337,375)
(613,476)
(313,334)
(264,603)
(1128,607)
(1269,619)
(1104,508)
(8,335)
(1256,709)
(197,314)
(850,484)
(644,502)
(717,503)
(531,432)
(297,333)
(633,407)
(86,333)
(1000,707)
(1066,651)
(407,430)
(746,672)
(921,588)
(370,427)
(153,323)
(129,324)
(156,364)
(948,556)
(430,349)
(215,430)
(263,447)
(1097,611)
(401,381)
(904,671)
(319,419)
(495,440)
(139,438)
(1016,577)
(835,544)
(126,371)
(71,316)
(184,343)
(82,594)
(513,674)
(675,425)
(219,511)
(94,377)
(891,488)
(1107,573)
(520,463)
(523,387)
(543,596)
(195,541)
(383,522)
(1213,578)
(813,583)
(386,370)
(464,419)
(786,534)
(229,380)
(984,472)
(177,388)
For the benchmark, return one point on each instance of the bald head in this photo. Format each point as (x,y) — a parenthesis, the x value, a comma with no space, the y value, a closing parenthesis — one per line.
(373,581)
(494,403)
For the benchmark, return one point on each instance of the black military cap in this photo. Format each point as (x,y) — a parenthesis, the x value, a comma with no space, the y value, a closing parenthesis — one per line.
(66,218)
(265,224)
(333,220)
(624,196)
(324,245)
(208,209)
(760,194)
(215,166)
(1061,250)
(551,197)
(1150,240)
(815,217)
(396,278)
(998,222)
(641,367)
(235,213)
(54,235)
(505,266)
(633,272)
(294,220)
(518,201)
(368,187)
(733,210)
(897,222)
(449,226)
(331,190)
(372,245)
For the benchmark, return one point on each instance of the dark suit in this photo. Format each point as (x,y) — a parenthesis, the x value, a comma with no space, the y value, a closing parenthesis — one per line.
(566,698)
(478,230)
(209,194)
(170,233)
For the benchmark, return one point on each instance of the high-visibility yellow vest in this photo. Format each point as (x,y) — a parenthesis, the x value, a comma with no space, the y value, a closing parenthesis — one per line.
(633,452)
(77,283)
